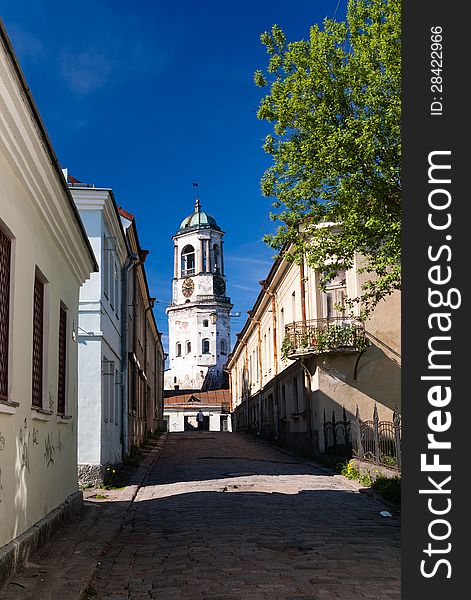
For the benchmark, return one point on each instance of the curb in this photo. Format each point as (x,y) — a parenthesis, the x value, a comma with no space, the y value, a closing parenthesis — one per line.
(140,477)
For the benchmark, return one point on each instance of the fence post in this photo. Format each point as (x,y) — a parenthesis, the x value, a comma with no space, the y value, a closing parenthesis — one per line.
(346,427)
(397,435)
(376,434)
(325,432)
(334,432)
(358,434)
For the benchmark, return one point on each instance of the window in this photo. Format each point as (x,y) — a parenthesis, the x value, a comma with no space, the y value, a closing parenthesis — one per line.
(116,287)
(106,274)
(117,397)
(216,255)
(295,396)
(108,383)
(38,341)
(112,285)
(188,347)
(335,294)
(5,260)
(205,346)
(62,367)
(282,324)
(188,261)
(205,323)
(223,347)
(178,349)
(257,363)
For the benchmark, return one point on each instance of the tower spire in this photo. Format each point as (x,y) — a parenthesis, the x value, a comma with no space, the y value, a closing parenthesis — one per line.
(197,200)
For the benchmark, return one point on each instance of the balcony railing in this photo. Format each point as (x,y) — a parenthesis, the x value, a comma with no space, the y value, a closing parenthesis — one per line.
(320,336)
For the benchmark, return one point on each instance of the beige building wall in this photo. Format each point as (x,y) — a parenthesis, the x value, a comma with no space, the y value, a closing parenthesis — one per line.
(38,446)
(287,399)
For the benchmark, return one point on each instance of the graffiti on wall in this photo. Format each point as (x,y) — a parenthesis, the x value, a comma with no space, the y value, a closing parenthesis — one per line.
(49,451)
(35,436)
(60,445)
(24,447)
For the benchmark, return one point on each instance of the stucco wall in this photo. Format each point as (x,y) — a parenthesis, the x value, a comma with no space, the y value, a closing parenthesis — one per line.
(37,451)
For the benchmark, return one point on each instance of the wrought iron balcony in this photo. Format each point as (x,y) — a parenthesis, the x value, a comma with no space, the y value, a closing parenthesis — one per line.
(321,336)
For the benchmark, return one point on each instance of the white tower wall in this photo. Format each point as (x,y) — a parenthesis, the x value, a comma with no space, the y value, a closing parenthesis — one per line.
(199,322)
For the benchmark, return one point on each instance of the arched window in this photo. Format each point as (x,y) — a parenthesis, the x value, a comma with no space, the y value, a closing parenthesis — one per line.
(188,347)
(205,346)
(223,347)
(217,258)
(188,261)
(205,323)
(178,349)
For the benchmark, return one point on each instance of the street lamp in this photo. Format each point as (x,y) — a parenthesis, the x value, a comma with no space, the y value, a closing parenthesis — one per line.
(213,316)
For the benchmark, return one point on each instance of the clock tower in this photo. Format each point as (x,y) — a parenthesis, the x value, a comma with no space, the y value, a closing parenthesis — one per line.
(198,316)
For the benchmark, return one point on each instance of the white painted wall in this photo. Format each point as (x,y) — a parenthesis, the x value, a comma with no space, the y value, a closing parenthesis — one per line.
(38,448)
(100,389)
(176,419)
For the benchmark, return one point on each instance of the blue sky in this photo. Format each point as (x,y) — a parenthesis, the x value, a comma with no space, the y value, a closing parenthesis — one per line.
(147,97)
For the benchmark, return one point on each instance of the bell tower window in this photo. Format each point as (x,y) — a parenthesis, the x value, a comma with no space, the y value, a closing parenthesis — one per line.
(205,346)
(188,261)
(179,349)
(217,259)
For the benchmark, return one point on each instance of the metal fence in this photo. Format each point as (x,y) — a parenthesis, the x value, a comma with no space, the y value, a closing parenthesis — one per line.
(375,441)
(337,435)
(378,441)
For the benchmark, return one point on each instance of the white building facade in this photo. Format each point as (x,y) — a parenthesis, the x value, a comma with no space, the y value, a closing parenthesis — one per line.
(100,385)
(199,314)
(45,257)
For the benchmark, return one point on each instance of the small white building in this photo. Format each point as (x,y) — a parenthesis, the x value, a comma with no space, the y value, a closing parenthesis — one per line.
(198,316)
(101,420)
(180,411)
(45,257)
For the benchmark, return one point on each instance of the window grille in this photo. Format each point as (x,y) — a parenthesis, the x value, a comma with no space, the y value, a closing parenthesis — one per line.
(5,258)
(38,342)
(62,360)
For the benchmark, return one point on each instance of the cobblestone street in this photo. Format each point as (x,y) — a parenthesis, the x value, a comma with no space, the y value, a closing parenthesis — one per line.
(223,516)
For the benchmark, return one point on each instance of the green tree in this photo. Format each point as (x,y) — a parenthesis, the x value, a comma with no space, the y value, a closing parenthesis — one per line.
(335,104)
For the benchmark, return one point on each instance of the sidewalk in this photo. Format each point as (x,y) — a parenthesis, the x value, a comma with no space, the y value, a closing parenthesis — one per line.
(63,568)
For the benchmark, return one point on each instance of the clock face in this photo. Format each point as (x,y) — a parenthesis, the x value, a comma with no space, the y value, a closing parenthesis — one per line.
(219,286)
(188,287)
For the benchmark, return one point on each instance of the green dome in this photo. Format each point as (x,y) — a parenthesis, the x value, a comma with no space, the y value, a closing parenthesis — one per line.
(198,220)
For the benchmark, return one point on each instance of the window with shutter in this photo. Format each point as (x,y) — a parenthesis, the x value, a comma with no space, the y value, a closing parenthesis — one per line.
(62,360)
(5,259)
(38,342)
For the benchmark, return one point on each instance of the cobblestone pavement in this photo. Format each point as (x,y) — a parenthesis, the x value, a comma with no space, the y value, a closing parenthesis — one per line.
(63,567)
(222,516)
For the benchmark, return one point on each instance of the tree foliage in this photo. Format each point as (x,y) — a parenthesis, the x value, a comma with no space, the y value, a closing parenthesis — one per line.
(335,104)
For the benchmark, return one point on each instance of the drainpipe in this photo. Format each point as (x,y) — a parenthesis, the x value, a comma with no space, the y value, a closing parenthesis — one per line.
(130,263)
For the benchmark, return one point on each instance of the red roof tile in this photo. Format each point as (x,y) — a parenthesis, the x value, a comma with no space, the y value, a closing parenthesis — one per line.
(210,398)
(124,213)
